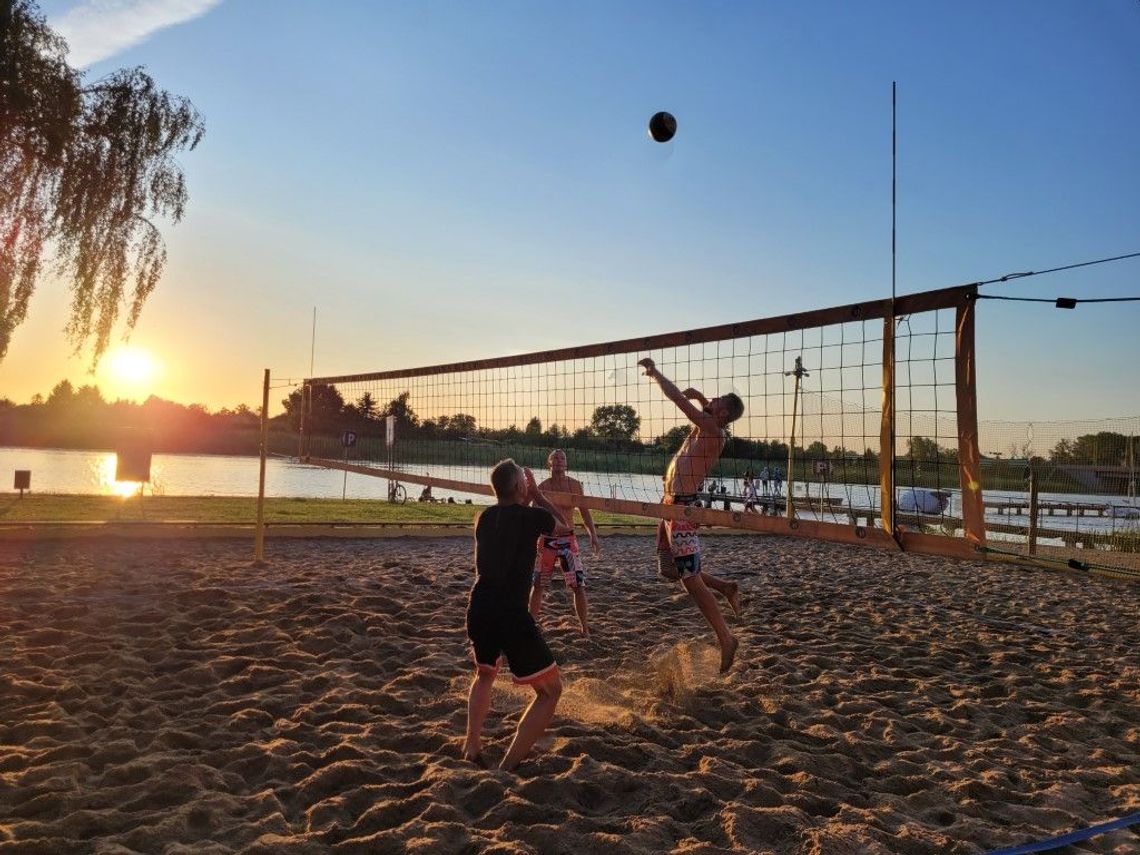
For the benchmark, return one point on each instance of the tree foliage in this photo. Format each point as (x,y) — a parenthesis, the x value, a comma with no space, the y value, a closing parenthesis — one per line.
(1104,448)
(82,418)
(84,170)
(615,421)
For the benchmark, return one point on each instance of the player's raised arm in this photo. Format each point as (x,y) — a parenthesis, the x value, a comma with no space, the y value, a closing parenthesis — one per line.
(696,415)
(695,395)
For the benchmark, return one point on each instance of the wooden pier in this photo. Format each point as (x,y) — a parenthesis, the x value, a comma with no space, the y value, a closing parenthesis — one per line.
(1020,507)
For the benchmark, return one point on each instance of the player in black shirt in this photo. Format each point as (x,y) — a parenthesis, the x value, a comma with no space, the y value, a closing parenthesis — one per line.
(498,621)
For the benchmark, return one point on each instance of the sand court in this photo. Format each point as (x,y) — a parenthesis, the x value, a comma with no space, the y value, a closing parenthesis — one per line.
(169,697)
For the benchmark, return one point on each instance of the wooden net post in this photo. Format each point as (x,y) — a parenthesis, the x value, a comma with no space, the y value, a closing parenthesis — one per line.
(887,427)
(259,532)
(969,457)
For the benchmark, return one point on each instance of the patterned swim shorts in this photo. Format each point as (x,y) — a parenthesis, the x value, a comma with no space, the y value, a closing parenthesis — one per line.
(562,551)
(678,546)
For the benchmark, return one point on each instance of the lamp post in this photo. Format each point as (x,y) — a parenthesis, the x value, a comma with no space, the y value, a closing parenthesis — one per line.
(798,372)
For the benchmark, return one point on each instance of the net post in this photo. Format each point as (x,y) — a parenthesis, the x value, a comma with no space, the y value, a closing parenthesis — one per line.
(259,532)
(965,384)
(306,420)
(1032,508)
(887,426)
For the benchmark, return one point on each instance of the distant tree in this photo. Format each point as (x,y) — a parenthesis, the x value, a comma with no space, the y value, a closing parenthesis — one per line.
(615,421)
(922,448)
(1062,452)
(367,407)
(327,408)
(406,419)
(816,451)
(1104,448)
(61,394)
(461,424)
(89,398)
(83,171)
(533,428)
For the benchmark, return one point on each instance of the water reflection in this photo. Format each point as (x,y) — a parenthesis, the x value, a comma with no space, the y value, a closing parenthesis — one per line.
(105,464)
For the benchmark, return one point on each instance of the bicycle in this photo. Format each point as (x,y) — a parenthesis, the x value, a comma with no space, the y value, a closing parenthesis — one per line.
(397,494)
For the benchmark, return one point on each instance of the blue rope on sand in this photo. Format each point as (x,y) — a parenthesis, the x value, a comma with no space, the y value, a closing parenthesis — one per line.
(1071,837)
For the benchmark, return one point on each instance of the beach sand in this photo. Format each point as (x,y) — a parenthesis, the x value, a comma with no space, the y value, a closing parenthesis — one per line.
(169,697)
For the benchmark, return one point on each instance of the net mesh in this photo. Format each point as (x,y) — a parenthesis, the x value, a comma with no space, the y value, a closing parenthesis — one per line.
(813,445)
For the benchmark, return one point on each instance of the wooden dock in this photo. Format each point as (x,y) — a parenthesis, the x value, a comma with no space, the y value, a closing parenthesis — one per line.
(1020,507)
(771,504)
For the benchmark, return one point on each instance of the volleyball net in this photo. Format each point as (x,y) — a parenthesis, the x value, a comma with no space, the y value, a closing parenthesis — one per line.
(859,424)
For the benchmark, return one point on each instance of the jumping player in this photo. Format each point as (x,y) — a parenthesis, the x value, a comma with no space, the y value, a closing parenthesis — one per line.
(562,550)
(498,622)
(678,547)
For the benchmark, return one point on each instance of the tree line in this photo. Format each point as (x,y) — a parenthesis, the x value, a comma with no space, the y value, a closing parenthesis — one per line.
(81,418)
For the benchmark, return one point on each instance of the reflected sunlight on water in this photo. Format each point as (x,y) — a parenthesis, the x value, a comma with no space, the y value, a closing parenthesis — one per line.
(104,465)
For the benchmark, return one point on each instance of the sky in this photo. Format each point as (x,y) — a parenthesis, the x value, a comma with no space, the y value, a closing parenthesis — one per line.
(446,181)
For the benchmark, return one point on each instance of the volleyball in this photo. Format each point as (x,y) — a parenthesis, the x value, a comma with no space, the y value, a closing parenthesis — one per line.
(662,126)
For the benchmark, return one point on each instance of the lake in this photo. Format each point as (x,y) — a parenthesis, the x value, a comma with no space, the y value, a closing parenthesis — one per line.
(93,473)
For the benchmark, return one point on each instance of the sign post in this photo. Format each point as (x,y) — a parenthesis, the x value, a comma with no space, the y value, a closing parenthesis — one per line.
(348,440)
(390,442)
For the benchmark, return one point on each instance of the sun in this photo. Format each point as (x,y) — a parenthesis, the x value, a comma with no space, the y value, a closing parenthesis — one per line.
(131,370)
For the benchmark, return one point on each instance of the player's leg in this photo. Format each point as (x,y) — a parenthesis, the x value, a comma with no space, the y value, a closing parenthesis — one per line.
(485,650)
(703,597)
(686,548)
(533,665)
(534,721)
(478,705)
(727,589)
(574,574)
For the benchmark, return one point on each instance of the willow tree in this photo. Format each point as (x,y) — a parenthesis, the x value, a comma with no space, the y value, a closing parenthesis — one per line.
(85,171)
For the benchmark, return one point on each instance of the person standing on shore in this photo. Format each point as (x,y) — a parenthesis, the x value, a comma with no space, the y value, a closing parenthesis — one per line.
(678,546)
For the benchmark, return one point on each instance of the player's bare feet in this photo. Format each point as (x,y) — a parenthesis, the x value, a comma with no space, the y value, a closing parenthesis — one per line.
(728,654)
(733,597)
(473,753)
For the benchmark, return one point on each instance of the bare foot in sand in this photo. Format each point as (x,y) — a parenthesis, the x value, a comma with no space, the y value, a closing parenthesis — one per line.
(473,753)
(733,597)
(727,654)
(477,759)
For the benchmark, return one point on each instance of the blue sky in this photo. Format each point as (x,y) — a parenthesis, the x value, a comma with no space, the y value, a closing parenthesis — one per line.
(449,181)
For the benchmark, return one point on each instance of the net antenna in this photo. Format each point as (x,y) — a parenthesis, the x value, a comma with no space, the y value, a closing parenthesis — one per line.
(890,476)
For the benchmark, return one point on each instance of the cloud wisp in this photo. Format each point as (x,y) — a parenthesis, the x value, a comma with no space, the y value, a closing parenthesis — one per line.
(98,29)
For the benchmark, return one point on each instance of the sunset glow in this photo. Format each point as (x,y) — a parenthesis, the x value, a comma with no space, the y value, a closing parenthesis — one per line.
(130,372)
